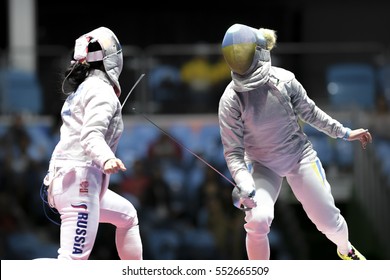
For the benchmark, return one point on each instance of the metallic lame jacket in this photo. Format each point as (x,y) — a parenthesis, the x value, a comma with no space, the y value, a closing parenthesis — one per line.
(92,123)
(259,119)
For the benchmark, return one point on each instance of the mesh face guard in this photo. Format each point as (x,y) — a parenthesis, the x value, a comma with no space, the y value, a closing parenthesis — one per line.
(239,47)
(111,53)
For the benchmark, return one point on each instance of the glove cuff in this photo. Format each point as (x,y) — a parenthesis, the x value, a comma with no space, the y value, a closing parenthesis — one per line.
(243,176)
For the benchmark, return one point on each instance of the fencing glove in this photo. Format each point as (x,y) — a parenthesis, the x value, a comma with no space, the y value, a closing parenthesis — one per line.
(243,194)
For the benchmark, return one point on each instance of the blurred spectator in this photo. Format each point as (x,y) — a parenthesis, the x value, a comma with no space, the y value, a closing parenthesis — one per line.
(54,132)
(166,88)
(157,204)
(167,155)
(20,240)
(170,231)
(160,221)
(163,152)
(22,166)
(204,79)
(223,221)
(135,184)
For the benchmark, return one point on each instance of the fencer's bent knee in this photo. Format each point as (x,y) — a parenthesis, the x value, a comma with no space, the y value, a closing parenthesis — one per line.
(258,221)
(128,219)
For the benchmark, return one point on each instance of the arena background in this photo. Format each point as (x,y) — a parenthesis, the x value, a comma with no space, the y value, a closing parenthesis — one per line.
(312,36)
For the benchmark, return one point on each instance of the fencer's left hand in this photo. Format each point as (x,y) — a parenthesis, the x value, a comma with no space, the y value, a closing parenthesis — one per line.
(363,135)
(113,165)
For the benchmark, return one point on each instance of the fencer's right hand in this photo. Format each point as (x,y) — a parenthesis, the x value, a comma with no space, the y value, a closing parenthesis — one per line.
(244,193)
(363,135)
(113,165)
(244,200)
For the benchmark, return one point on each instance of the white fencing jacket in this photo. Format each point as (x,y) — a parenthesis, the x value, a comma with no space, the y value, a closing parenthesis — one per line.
(259,119)
(92,123)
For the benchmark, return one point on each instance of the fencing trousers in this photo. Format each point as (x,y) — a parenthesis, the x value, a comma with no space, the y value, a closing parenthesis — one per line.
(80,196)
(309,185)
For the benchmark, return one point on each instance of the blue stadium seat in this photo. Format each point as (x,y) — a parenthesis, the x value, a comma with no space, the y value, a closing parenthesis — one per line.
(164,81)
(213,149)
(344,150)
(322,143)
(20,92)
(187,138)
(344,153)
(351,85)
(43,144)
(135,141)
(184,134)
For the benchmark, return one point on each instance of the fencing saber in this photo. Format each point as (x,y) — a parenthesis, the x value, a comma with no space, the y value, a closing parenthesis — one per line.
(236,189)
(184,147)
(170,136)
(131,90)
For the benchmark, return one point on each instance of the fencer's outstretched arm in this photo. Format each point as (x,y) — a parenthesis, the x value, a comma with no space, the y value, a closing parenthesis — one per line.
(363,135)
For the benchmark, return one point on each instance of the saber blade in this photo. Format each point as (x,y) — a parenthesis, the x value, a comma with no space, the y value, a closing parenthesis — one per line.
(128,95)
(184,147)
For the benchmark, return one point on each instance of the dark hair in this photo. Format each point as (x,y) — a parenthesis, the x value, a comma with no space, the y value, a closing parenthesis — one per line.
(77,72)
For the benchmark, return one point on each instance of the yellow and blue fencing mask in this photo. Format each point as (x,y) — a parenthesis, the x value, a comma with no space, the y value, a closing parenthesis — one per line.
(239,47)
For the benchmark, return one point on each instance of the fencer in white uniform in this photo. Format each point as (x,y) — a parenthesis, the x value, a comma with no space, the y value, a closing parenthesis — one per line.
(259,116)
(82,161)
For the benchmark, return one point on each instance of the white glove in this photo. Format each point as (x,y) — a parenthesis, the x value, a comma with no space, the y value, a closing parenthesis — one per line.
(243,194)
